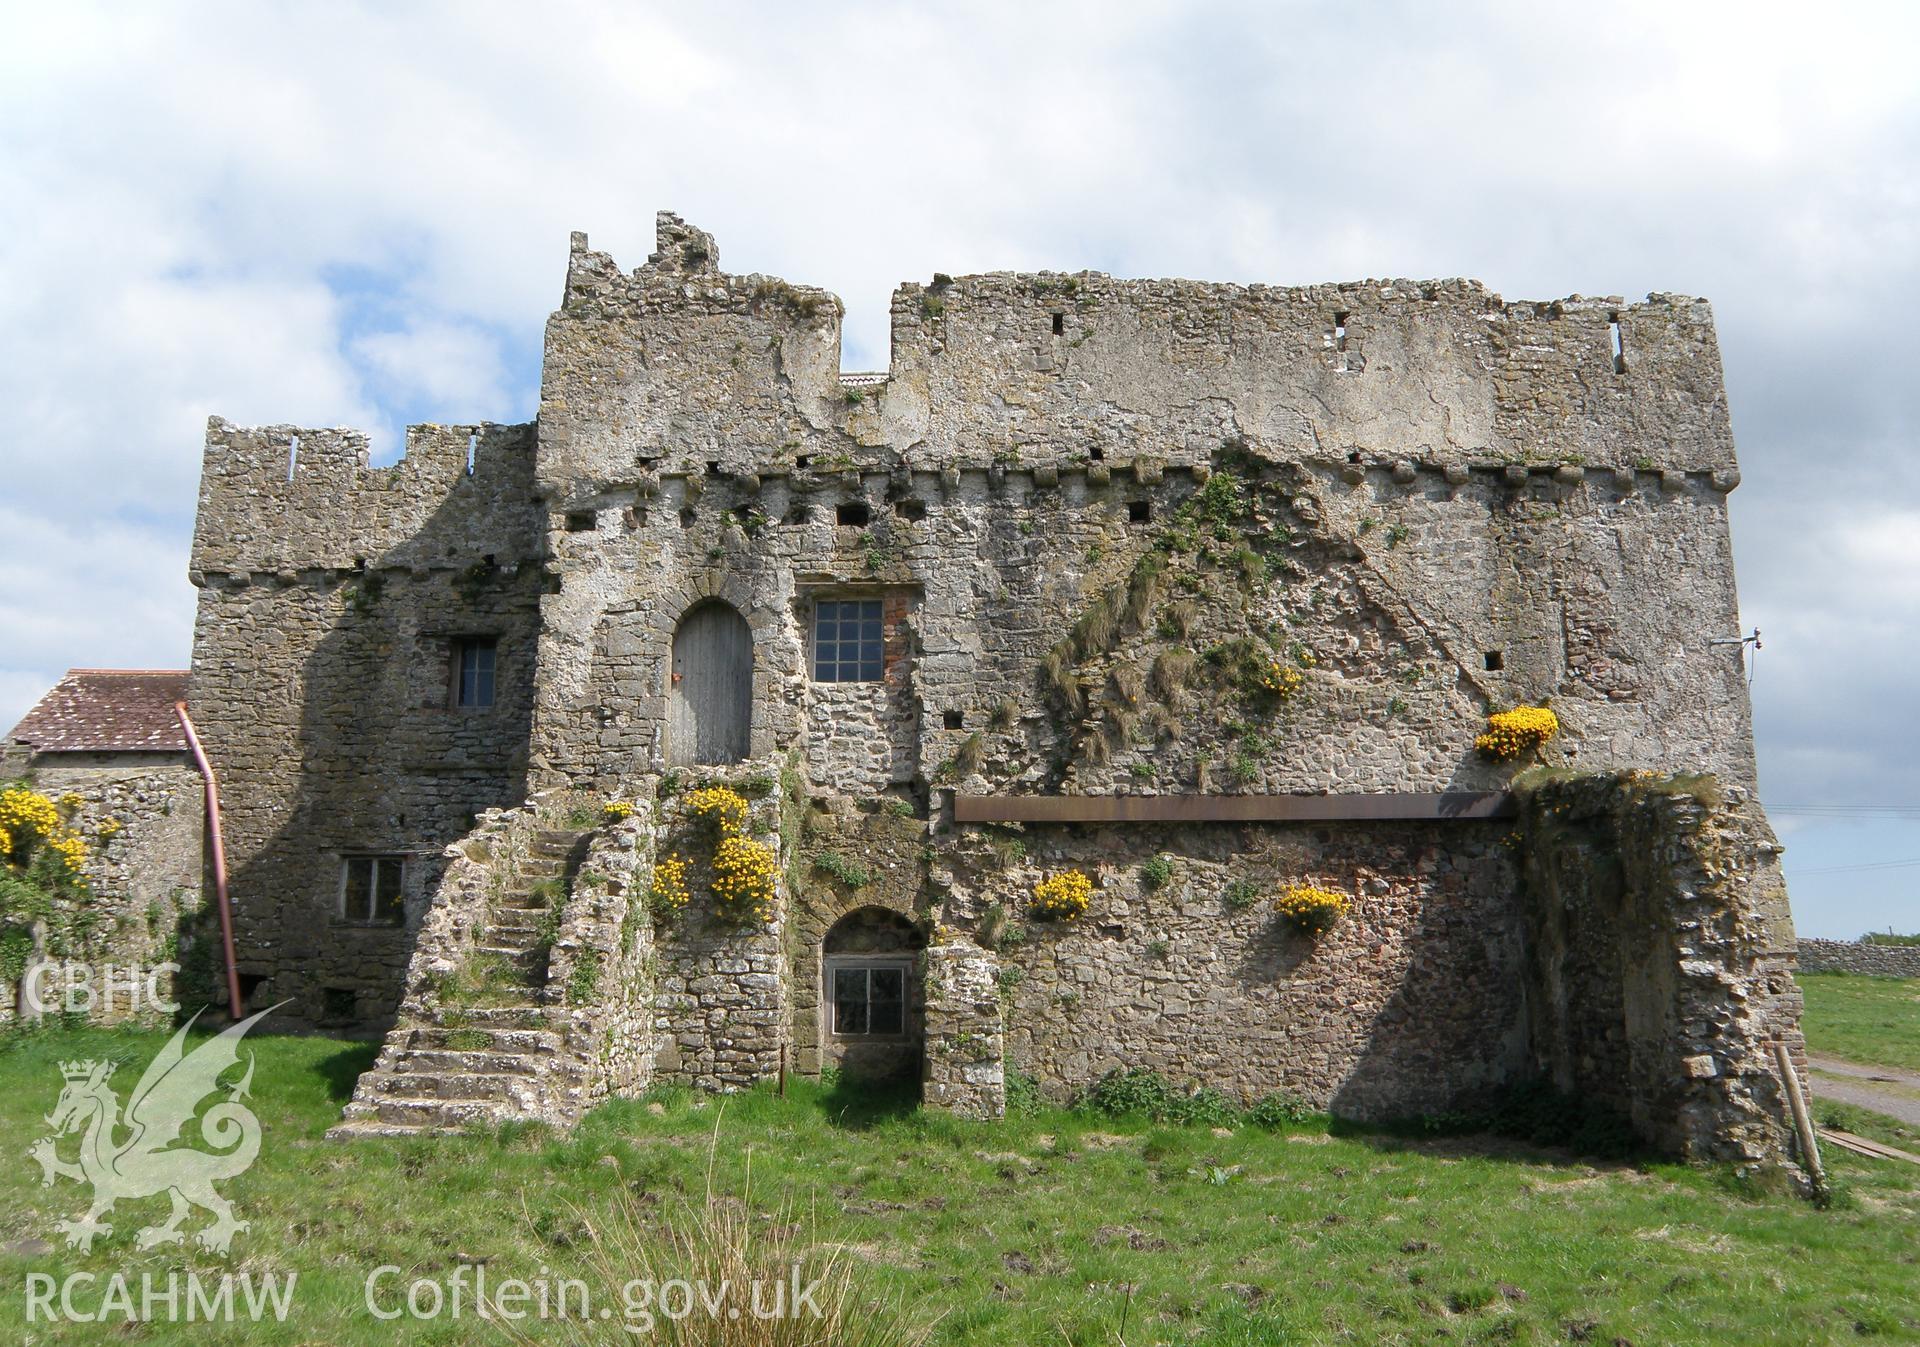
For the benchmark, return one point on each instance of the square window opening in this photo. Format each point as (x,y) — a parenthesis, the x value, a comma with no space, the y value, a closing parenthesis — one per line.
(848,641)
(1496,660)
(687,519)
(869,999)
(1059,324)
(953,720)
(474,666)
(912,511)
(338,1003)
(372,890)
(1139,511)
(852,514)
(582,521)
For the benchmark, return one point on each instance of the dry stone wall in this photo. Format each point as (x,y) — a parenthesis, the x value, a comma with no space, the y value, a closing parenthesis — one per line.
(1858,956)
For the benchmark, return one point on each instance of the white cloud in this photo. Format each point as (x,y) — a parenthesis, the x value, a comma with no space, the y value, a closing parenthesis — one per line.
(354,213)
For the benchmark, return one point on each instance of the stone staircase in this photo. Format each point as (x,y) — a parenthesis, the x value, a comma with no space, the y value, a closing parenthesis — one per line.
(456,1065)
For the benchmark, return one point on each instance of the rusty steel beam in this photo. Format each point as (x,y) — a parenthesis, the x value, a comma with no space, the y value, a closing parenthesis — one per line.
(1370,808)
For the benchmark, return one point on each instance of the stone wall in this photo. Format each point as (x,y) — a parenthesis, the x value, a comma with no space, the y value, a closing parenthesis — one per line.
(1412,1004)
(1858,956)
(604,965)
(141,816)
(331,594)
(723,1002)
(1465,506)
(1660,958)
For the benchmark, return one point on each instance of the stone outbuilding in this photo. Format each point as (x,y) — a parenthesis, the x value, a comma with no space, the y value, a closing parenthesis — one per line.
(109,747)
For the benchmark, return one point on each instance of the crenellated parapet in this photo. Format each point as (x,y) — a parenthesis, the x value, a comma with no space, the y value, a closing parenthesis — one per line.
(289,499)
(679,366)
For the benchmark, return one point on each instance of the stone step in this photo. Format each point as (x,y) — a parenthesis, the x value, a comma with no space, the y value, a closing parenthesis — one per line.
(524,1016)
(355,1129)
(517,1042)
(560,836)
(523,955)
(480,1061)
(516,919)
(441,1114)
(501,1087)
(525,900)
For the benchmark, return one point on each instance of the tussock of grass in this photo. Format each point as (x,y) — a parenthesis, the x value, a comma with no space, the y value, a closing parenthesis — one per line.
(1172,671)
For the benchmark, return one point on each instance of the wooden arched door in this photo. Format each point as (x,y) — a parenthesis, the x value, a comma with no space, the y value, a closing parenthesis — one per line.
(710,705)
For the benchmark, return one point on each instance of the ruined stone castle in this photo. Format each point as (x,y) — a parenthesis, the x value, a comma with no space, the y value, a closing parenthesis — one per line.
(1199,590)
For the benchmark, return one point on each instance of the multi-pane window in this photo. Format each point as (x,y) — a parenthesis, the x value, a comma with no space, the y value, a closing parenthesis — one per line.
(870,998)
(370,890)
(473,664)
(846,641)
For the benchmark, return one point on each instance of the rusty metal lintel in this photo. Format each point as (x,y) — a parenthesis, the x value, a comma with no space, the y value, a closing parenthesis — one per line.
(1364,808)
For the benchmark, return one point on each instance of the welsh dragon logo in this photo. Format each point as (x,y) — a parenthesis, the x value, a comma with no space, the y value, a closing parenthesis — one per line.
(137,1157)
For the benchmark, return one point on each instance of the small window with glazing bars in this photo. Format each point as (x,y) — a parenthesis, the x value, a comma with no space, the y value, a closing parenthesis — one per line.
(847,646)
(473,669)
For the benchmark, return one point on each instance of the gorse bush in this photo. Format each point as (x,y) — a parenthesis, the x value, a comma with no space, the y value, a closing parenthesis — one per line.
(1062,897)
(1310,908)
(720,808)
(1512,733)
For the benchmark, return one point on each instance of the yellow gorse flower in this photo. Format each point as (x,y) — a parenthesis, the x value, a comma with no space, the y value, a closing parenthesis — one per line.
(743,880)
(1280,680)
(1521,730)
(1062,897)
(70,848)
(723,808)
(670,883)
(615,810)
(26,815)
(1311,908)
(108,827)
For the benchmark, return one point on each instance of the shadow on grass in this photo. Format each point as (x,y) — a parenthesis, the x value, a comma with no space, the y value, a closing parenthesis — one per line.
(859,1105)
(343,1069)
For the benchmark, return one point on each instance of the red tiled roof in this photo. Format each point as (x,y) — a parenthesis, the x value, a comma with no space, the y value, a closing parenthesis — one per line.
(95,710)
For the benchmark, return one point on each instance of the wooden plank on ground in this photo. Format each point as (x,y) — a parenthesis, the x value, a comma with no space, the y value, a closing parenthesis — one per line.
(1847,1141)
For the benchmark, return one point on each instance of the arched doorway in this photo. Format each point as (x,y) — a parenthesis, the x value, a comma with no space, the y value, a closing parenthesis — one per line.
(872,1012)
(710,702)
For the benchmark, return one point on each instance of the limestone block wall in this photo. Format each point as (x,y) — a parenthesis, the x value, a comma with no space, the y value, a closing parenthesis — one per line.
(603,966)
(1451,504)
(1857,956)
(722,1007)
(1412,1004)
(1660,958)
(141,816)
(882,898)
(965,1071)
(331,598)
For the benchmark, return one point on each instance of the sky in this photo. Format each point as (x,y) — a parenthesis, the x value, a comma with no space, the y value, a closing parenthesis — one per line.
(357,214)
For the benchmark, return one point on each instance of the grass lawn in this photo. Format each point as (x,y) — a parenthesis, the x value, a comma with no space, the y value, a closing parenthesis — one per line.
(1055,1228)
(1871,1020)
